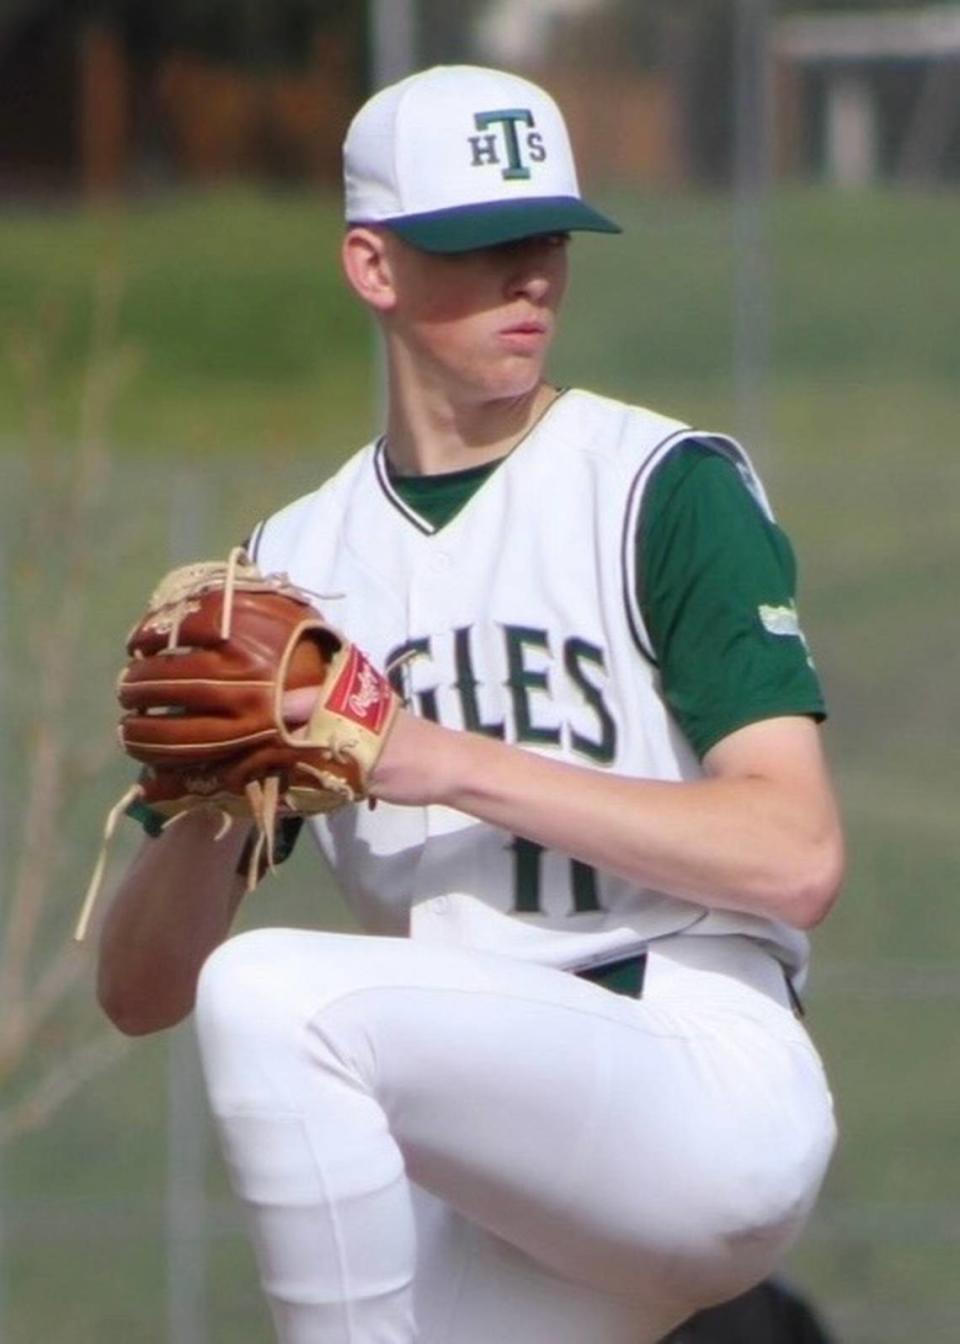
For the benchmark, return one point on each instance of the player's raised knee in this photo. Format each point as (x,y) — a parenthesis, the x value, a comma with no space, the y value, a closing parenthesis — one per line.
(752,1221)
(246,1020)
(240,978)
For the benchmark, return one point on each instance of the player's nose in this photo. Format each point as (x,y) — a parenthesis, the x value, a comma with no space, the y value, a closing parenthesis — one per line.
(530,284)
(533,269)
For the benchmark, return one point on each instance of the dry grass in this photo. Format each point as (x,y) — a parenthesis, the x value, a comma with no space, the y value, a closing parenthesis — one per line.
(39,977)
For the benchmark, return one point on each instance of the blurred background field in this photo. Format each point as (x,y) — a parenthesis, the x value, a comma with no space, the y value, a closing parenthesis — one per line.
(175,363)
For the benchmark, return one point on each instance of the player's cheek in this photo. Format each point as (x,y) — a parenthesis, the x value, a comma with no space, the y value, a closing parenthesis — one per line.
(559,283)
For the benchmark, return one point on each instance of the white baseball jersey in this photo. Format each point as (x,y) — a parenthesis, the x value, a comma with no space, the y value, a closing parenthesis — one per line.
(517,619)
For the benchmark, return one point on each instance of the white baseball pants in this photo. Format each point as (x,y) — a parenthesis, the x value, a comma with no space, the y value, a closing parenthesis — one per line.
(453,1147)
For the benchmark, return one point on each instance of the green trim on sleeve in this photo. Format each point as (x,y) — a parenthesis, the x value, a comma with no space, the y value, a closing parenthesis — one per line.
(716,582)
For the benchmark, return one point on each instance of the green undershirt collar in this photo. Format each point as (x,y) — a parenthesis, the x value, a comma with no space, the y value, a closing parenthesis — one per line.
(439,498)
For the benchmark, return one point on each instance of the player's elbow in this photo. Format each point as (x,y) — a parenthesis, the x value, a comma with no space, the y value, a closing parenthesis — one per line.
(812,884)
(135,1012)
(133,1020)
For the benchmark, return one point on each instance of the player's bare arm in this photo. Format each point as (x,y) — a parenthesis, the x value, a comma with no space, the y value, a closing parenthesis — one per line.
(759,833)
(173,906)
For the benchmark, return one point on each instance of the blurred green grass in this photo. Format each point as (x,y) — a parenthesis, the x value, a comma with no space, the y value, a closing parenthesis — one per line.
(245,328)
(245,334)
(256,376)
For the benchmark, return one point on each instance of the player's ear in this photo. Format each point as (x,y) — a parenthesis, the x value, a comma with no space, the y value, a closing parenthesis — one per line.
(366,263)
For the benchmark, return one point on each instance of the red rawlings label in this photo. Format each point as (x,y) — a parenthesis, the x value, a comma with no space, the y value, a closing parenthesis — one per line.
(361,693)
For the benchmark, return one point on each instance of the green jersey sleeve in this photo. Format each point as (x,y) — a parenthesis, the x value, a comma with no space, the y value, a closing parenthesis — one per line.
(716,583)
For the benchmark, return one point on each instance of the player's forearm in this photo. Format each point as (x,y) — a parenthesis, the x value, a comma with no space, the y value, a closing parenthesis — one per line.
(768,847)
(732,844)
(173,906)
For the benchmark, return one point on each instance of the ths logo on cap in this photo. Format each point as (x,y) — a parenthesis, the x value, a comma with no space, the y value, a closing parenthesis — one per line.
(486,149)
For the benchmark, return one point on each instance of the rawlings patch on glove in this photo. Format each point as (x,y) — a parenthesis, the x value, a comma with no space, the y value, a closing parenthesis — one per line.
(210,662)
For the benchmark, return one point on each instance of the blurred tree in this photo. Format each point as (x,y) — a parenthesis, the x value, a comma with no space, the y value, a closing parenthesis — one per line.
(258,34)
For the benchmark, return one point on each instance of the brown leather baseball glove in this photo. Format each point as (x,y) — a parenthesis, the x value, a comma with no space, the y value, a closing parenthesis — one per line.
(210,661)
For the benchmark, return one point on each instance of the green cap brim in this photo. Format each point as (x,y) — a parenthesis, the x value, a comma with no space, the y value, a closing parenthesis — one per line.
(466,227)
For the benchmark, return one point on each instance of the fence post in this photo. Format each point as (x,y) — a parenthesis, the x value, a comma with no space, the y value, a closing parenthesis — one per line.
(754,112)
(392,40)
(5,725)
(393,45)
(186,1201)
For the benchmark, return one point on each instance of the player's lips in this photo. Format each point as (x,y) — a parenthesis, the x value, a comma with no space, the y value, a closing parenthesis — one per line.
(525,324)
(526,334)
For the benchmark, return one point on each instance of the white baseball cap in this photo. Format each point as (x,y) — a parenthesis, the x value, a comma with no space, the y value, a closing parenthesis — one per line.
(459,157)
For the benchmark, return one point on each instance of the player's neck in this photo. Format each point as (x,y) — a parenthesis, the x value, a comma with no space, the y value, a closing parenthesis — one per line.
(429,432)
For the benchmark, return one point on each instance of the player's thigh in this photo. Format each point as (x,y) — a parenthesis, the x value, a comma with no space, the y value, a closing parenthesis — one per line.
(472,1287)
(623,1144)
(620,1143)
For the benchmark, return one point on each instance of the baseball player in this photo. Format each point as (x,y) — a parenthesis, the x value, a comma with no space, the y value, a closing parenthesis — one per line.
(558,1090)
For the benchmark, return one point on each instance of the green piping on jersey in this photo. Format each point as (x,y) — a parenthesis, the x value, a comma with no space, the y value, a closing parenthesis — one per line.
(438,499)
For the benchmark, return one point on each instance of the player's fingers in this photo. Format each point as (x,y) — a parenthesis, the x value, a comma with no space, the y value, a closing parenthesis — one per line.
(297,706)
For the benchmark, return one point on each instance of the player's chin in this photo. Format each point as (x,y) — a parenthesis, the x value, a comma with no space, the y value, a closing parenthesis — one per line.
(516,375)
